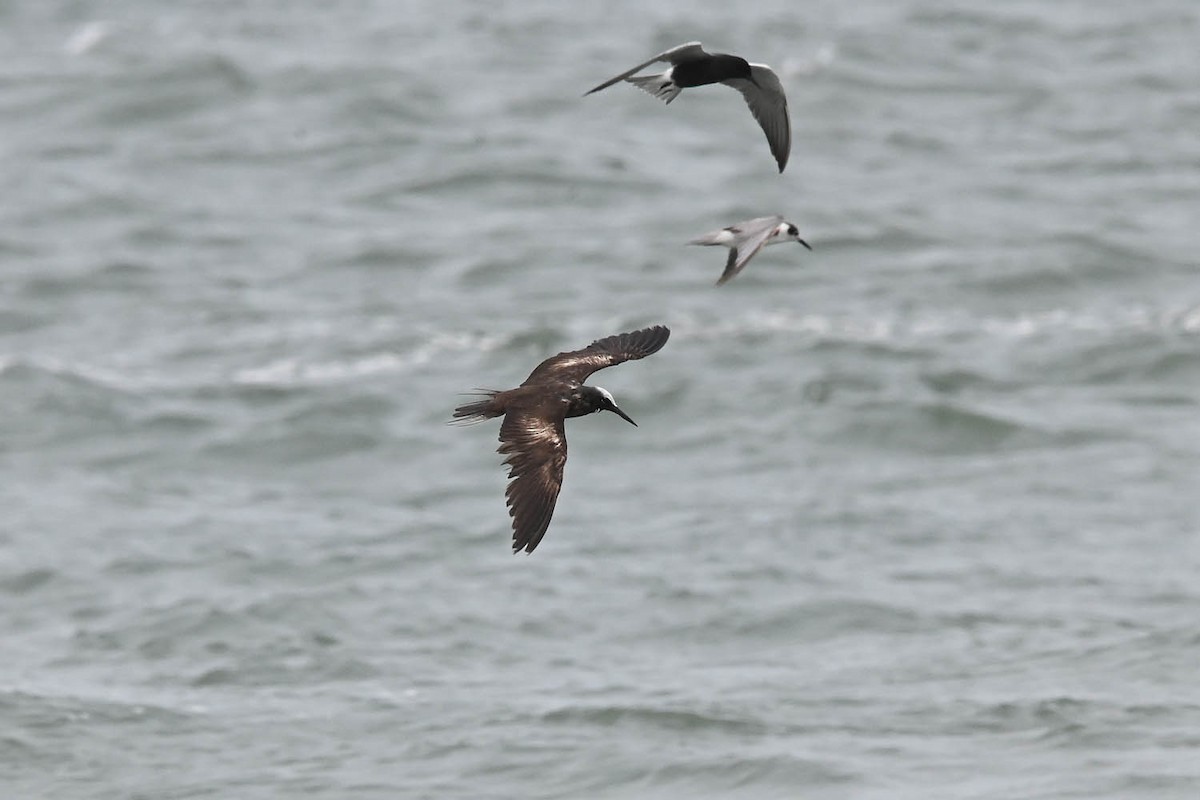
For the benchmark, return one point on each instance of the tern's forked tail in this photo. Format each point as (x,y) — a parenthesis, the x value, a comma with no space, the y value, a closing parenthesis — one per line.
(709,239)
(661,86)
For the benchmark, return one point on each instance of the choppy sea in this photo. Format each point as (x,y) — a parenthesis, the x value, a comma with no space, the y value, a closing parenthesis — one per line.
(914,515)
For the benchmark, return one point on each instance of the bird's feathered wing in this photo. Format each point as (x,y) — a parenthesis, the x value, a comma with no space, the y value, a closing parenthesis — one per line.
(768,104)
(683,52)
(575,366)
(752,236)
(536,447)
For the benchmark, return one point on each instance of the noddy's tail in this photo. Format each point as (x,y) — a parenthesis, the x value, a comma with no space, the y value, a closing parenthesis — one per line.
(480,409)
(661,86)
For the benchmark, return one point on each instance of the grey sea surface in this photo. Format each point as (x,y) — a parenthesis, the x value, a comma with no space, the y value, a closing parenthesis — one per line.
(914,515)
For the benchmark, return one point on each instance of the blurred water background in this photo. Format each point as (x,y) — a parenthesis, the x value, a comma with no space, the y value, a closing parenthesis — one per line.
(911,516)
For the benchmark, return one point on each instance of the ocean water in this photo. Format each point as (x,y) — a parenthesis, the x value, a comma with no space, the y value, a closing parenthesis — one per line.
(914,515)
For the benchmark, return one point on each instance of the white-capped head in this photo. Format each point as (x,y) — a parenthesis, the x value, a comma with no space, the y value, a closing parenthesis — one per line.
(608,403)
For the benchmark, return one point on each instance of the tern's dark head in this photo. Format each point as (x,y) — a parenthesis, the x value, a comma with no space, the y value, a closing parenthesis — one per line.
(740,68)
(793,233)
(594,398)
(711,69)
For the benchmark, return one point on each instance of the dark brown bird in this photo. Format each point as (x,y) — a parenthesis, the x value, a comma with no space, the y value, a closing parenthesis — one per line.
(533,435)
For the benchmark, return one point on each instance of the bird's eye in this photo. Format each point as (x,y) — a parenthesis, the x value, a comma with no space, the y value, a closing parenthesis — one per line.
(792,231)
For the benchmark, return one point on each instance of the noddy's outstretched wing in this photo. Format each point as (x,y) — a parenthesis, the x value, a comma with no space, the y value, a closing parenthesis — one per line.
(768,104)
(750,237)
(536,446)
(683,52)
(577,365)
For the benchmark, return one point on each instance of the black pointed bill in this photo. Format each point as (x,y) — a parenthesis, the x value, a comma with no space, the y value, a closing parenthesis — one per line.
(613,408)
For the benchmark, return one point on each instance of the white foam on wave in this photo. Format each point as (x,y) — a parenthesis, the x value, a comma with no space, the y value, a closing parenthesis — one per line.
(818,60)
(87,37)
(292,371)
(891,327)
(281,372)
(89,373)
(886,328)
